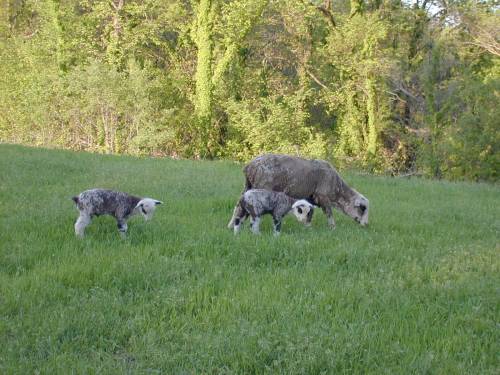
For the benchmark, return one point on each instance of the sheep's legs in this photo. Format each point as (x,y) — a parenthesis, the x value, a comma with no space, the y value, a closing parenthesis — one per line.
(254,224)
(82,221)
(328,212)
(238,212)
(326,206)
(231,223)
(277,226)
(238,222)
(122,227)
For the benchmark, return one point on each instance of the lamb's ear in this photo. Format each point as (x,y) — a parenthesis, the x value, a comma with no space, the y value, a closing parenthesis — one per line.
(158,202)
(139,204)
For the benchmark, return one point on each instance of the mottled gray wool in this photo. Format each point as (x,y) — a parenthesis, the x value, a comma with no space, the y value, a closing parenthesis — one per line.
(314,180)
(121,206)
(258,202)
(97,202)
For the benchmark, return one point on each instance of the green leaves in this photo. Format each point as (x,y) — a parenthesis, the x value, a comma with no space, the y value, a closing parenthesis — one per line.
(371,84)
(273,125)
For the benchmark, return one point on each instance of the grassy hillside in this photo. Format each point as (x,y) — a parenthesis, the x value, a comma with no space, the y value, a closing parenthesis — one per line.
(415,292)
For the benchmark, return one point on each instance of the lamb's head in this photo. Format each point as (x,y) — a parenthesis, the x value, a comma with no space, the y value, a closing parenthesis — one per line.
(357,208)
(146,207)
(303,211)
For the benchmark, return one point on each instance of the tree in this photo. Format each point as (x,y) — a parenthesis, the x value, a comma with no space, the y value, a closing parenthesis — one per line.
(204,40)
(381,85)
(235,19)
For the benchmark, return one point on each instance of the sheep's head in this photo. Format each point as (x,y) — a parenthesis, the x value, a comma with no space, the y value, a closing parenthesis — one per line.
(358,208)
(303,211)
(146,207)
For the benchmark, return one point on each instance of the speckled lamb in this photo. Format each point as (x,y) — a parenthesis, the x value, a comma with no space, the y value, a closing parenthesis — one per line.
(121,206)
(257,202)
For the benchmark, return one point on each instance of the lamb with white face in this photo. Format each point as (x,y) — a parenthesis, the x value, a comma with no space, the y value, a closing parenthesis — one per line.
(258,202)
(147,207)
(303,211)
(121,206)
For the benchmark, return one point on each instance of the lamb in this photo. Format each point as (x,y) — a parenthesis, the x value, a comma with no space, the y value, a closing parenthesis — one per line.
(120,205)
(314,180)
(257,202)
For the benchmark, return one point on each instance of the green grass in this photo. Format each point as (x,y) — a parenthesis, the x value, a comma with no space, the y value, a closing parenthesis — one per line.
(417,291)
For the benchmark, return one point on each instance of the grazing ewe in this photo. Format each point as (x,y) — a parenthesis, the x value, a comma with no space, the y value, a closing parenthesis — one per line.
(314,180)
(120,205)
(257,202)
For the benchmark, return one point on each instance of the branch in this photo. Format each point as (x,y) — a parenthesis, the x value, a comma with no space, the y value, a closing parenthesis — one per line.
(324,10)
(399,86)
(396,96)
(232,49)
(118,6)
(328,15)
(316,79)
(483,34)
(224,63)
(491,48)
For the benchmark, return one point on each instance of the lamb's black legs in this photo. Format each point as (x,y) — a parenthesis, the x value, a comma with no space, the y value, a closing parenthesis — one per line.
(277,225)
(122,227)
(238,221)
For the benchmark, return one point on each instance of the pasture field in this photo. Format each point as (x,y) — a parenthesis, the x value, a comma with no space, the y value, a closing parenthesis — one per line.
(416,292)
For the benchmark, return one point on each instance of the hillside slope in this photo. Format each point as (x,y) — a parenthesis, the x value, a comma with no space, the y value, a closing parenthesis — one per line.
(414,292)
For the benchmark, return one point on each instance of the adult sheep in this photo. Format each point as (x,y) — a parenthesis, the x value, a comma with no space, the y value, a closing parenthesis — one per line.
(314,180)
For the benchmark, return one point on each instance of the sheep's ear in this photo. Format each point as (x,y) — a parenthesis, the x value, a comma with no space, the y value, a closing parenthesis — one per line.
(139,204)
(158,202)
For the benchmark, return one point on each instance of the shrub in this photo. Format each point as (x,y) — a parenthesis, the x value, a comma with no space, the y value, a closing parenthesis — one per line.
(272,125)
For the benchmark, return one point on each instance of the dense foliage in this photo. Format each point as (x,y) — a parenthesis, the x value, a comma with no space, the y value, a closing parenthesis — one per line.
(384,85)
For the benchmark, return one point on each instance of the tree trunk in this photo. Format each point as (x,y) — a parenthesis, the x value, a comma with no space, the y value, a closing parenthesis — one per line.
(203,77)
(58,35)
(371,108)
(113,51)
